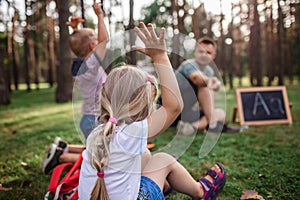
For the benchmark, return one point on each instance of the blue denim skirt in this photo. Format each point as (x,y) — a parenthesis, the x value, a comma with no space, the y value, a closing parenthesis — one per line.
(149,190)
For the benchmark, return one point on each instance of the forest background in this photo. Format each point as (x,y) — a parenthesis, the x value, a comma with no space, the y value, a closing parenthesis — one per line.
(259,39)
(258,45)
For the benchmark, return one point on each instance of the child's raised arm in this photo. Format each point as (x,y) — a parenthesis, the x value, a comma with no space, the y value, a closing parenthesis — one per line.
(75,22)
(102,31)
(172,104)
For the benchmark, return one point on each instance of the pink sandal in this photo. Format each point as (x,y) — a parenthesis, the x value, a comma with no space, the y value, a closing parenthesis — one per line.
(211,190)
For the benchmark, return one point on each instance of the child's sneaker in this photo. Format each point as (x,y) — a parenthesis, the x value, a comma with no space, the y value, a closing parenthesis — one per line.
(185,128)
(216,128)
(60,143)
(222,128)
(51,159)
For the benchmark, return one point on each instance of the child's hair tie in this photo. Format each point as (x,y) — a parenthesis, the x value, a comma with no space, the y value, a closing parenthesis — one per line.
(103,83)
(149,79)
(100,174)
(113,120)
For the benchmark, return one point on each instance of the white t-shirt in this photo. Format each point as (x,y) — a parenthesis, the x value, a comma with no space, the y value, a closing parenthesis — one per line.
(123,173)
(89,82)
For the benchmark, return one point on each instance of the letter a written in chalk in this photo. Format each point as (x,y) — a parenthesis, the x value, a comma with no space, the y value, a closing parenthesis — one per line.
(259,101)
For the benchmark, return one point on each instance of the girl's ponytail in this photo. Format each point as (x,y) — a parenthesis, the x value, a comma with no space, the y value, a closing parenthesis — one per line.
(99,191)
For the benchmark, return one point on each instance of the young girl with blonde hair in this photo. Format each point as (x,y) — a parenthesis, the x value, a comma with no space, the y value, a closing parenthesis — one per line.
(116,164)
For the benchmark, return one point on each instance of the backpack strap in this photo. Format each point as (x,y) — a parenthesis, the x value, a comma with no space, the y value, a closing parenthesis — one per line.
(56,182)
(56,174)
(75,166)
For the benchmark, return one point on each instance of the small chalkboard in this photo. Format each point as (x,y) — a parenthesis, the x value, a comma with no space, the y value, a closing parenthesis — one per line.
(263,105)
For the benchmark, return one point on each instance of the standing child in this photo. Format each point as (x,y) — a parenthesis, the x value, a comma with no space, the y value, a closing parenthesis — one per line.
(116,164)
(87,69)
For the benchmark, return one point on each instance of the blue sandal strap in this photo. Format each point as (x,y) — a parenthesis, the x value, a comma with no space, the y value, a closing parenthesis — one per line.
(206,184)
(212,173)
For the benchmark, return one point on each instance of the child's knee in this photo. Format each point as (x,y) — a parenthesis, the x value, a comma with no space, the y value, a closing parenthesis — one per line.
(164,157)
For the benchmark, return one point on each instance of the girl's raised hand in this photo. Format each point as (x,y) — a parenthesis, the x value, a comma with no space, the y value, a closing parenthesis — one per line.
(154,45)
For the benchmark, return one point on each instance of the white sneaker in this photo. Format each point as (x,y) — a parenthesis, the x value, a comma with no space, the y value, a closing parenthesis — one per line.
(60,143)
(51,159)
(185,128)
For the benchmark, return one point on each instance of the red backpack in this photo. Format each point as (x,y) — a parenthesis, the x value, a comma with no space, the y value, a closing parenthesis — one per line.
(67,187)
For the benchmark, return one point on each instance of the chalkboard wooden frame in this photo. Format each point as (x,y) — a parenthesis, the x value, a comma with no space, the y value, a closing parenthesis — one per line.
(241,109)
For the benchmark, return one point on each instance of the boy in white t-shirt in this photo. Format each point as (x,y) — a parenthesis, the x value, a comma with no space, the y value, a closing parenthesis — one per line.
(87,69)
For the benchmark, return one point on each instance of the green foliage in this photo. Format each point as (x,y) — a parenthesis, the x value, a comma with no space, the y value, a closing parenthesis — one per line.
(262,158)
(159,12)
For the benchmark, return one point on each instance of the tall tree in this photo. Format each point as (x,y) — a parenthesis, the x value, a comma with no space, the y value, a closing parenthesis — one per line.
(36,42)
(132,54)
(51,57)
(255,62)
(14,50)
(268,46)
(280,44)
(64,79)
(221,46)
(4,88)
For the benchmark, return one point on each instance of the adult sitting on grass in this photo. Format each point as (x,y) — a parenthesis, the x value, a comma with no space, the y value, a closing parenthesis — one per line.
(116,164)
(197,82)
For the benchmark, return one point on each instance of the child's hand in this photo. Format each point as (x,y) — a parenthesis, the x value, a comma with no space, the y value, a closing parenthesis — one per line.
(75,22)
(98,9)
(154,46)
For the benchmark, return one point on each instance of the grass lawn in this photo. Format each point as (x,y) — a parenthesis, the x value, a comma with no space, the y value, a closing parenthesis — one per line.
(262,158)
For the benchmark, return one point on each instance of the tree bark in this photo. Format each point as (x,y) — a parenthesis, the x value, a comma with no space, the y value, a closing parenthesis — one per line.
(255,49)
(64,78)
(15,52)
(280,44)
(36,44)
(26,49)
(132,54)
(51,61)
(4,88)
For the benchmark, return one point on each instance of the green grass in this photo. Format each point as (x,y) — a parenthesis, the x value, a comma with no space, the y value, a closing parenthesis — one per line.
(262,158)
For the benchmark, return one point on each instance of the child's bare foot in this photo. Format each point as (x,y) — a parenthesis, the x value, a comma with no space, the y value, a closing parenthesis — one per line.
(213,182)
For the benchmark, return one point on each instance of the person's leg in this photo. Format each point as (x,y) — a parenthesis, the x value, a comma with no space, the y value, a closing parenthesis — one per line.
(201,124)
(56,154)
(145,158)
(163,166)
(87,124)
(68,157)
(220,115)
(75,148)
(206,102)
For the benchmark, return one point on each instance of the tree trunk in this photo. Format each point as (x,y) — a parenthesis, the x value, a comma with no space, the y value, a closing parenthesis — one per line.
(132,37)
(36,44)
(255,49)
(175,59)
(51,61)
(83,12)
(26,49)
(272,51)
(280,44)
(288,55)
(64,78)
(222,57)
(268,53)
(4,88)
(15,52)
